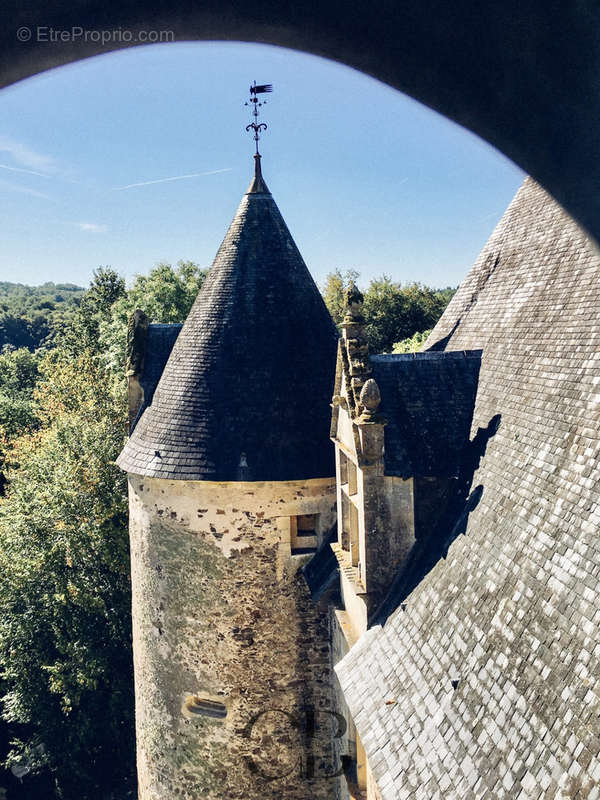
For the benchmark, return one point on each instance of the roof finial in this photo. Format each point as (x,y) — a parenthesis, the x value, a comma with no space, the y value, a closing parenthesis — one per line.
(258,185)
(257,126)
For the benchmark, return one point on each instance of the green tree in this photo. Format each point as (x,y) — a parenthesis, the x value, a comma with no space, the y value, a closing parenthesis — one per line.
(333,290)
(166,294)
(65,638)
(387,314)
(18,377)
(413,344)
(80,330)
(18,372)
(16,331)
(394,312)
(424,306)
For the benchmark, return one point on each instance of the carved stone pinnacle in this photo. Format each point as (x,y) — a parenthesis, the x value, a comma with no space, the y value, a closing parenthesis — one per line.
(370,398)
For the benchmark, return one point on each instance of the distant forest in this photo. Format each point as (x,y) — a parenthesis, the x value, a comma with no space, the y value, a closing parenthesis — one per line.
(66,674)
(29,314)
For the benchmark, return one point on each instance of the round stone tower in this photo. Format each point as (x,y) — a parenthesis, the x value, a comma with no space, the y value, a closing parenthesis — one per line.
(231,486)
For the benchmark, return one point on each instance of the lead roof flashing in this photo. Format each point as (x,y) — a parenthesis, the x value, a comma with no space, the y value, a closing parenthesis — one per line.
(258,185)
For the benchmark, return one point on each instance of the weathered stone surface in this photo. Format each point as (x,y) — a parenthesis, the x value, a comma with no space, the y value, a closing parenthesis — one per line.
(221,611)
(495,657)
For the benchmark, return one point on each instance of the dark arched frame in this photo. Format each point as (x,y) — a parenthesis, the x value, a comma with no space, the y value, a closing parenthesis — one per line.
(523,74)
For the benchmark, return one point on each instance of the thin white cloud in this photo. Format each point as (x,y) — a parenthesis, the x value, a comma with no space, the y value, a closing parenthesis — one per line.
(91,227)
(28,171)
(174,178)
(14,187)
(26,157)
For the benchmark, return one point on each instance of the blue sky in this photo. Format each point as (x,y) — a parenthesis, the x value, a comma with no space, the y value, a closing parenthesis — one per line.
(365,177)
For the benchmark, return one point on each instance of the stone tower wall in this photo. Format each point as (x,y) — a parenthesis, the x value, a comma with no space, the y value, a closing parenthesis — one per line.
(221,613)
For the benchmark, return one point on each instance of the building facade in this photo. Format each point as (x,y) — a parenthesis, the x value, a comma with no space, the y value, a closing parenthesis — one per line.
(371,577)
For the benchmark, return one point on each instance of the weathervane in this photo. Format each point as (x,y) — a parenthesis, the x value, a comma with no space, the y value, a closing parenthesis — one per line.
(257,126)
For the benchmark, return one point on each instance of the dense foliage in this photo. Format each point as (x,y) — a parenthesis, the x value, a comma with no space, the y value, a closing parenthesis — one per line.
(392,312)
(412,344)
(65,606)
(65,636)
(18,376)
(80,330)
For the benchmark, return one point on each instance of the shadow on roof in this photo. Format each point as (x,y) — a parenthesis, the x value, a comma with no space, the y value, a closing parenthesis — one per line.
(460,499)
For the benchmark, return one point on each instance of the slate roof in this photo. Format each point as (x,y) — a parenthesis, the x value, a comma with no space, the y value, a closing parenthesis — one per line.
(251,373)
(512,615)
(428,401)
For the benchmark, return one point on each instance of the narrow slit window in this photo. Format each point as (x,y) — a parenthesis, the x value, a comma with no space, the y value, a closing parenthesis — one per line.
(206,707)
(343,468)
(352,477)
(344,523)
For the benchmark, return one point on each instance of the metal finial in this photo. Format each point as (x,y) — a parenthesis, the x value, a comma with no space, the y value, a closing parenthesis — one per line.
(257,126)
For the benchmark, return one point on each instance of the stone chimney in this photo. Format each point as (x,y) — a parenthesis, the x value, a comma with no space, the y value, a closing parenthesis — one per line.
(137,331)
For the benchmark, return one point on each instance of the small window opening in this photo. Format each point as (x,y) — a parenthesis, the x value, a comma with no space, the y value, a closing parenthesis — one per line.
(353,534)
(354,774)
(349,768)
(196,704)
(344,523)
(303,534)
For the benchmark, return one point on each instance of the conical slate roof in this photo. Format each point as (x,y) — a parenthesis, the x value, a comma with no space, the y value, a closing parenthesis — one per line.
(245,393)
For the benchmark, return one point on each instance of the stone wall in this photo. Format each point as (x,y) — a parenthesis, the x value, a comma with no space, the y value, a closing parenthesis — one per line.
(222,616)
